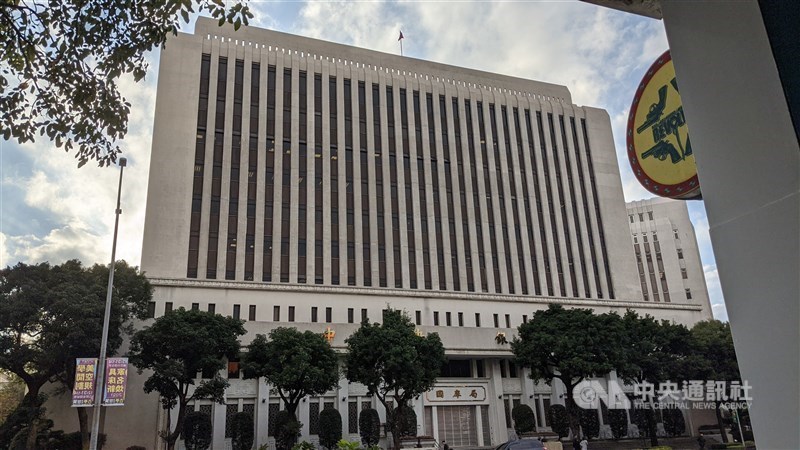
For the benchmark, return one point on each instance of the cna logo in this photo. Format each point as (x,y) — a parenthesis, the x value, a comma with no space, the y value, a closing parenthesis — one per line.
(589,393)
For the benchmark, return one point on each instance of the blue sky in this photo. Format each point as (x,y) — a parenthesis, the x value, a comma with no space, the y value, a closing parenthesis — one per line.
(50,210)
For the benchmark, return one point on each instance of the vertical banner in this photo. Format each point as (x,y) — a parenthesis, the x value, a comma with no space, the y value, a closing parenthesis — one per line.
(116,380)
(83,391)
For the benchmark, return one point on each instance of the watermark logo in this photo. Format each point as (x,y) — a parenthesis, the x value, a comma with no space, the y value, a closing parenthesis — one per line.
(696,394)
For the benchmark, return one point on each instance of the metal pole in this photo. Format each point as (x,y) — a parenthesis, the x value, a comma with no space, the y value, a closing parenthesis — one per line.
(101,369)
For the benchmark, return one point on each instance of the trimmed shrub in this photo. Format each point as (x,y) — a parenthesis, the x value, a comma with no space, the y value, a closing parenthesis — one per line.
(559,421)
(618,422)
(524,420)
(330,427)
(674,423)
(197,431)
(407,418)
(369,426)
(242,431)
(287,429)
(590,424)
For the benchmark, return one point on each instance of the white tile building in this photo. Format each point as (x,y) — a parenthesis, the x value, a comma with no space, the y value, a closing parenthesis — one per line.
(296,182)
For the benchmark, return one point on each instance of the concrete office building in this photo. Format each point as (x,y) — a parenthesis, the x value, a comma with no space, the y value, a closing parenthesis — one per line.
(667,256)
(296,182)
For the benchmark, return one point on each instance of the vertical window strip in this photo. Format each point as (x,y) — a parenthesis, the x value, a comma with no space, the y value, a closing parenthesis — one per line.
(514,205)
(549,189)
(538,198)
(379,187)
(451,221)
(597,209)
(501,198)
(365,190)
(302,181)
(463,197)
(318,263)
(269,174)
(489,206)
(286,174)
(412,253)
(436,198)
(334,181)
(526,199)
(575,216)
(199,167)
(252,172)
(562,205)
(589,233)
(216,171)
(423,202)
(236,157)
(349,187)
(395,216)
(476,205)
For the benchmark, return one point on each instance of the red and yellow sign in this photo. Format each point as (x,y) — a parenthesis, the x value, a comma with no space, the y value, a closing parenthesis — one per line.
(659,148)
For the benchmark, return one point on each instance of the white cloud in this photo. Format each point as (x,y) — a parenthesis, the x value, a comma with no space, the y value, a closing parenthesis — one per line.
(715,292)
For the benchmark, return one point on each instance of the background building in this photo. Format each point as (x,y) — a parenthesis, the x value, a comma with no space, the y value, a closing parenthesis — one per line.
(296,182)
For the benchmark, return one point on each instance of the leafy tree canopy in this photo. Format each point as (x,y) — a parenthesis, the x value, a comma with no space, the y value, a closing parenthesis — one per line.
(61,61)
(178,346)
(654,351)
(295,363)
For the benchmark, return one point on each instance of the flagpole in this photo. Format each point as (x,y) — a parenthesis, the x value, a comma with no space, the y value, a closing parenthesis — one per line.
(401,47)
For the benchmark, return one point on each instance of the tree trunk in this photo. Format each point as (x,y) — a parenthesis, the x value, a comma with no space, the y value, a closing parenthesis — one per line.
(720,423)
(172,438)
(651,426)
(397,420)
(83,421)
(33,426)
(572,415)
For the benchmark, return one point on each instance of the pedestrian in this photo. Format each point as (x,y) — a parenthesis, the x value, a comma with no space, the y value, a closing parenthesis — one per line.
(584,444)
(445,446)
(701,441)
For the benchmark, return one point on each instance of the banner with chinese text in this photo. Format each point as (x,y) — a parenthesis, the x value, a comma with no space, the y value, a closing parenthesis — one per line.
(83,390)
(116,380)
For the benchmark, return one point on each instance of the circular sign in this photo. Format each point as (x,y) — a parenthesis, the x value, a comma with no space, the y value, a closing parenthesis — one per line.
(659,148)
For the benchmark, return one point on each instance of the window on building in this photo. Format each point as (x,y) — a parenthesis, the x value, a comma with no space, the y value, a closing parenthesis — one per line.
(276,313)
(195,306)
(650,215)
(233,368)
(524,318)
(350,315)
(461,319)
(478,320)
(680,254)
(508,321)
(641,217)
(230,411)
(688,294)
(684,275)
(448,319)
(630,216)
(328,314)
(480,370)
(313,313)
(456,368)
(496,321)
(167,307)
(237,312)
(363,314)
(291,314)
(252,313)
(212,308)
(151,310)
(436,318)
(418,317)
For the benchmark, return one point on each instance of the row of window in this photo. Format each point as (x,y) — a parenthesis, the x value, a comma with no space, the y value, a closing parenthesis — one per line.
(392,165)
(650,270)
(315,316)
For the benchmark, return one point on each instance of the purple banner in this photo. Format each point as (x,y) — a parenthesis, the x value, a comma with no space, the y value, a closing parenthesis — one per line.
(116,380)
(83,391)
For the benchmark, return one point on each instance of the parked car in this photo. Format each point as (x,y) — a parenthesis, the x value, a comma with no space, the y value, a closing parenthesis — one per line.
(523,444)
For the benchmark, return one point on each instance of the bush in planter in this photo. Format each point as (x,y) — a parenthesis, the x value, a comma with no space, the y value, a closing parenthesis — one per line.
(524,420)
(674,423)
(408,418)
(559,421)
(197,431)
(242,431)
(330,427)
(590,424)
(369,426)
(618,421)
(287,428)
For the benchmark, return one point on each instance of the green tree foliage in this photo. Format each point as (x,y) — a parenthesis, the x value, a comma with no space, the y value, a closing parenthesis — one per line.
(674,423)
(197,431)
(590,424)
(618,422)
(524,420)
(569,345)
(330,427)
(369,427)
(295,363)
(655,351)
(407,421)
(393,362)
(178,346)
(242,431)
(50,315)
(62,60)
(559,421)
(287,428)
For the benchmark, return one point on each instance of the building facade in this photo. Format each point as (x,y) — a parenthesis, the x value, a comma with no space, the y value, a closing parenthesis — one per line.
(302,183)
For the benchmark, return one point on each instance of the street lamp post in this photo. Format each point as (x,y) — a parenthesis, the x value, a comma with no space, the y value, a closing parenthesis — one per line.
(101,369)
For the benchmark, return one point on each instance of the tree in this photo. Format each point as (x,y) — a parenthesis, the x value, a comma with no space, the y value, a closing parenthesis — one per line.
(369,427)
(559,421)
(712,356)
(393,362)
(590,424)
(654,351)
(51,315)
(569,345)
(176,347)
(242,431)
(524,420)
(287,428)
(295,364)
(197,431)
(330,427)
(62,59)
